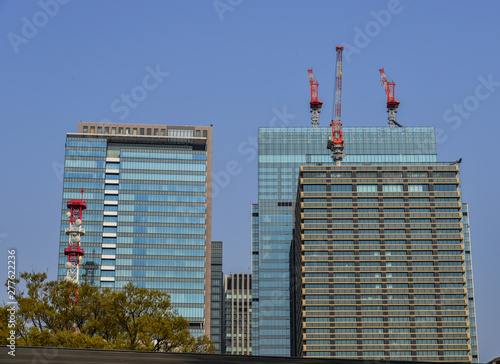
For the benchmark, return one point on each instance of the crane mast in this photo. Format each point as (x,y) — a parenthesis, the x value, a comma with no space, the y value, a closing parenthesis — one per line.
(336,140)
(315,102)
(392,103)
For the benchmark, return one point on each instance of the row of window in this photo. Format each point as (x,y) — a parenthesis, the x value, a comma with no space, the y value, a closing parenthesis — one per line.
(188,155)
(193,262)
(374,188)
(370,231)
(389,308)
(377,242)
(378,252)
(374,174)
(370,263)
(198,167)
(376,221)
(385,330)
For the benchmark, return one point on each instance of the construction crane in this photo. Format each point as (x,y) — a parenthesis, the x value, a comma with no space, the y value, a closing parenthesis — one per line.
(336,140)
(392,103)
(315,102)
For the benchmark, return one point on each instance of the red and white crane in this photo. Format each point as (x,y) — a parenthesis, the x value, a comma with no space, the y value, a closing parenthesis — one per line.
(315,102)
(392,103)
(336,140)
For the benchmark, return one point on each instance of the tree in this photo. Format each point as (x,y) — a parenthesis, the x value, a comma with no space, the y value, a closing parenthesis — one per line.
(132,318)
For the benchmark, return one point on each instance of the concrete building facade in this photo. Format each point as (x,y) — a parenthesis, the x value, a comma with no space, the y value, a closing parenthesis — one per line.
(217,298)
(379,260)
(238,313)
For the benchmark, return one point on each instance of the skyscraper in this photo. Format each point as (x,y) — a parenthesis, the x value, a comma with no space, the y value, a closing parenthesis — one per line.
(238,313)
(281,153)
(379,262)
(149,209)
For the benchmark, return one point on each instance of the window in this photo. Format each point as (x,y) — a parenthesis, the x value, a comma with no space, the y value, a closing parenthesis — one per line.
(417,174)
(341,188)
(445,187)
(394,221)
(366,174)
(395,264)
(442,174)
(120,130)
(394,210)
(420,209)
(371,296)
(394,199)
(106,130)
(392,188)
(392,174)
(367,188)
(377,319)
(134,131)
(420,221)
(308,188)
(369,252)
(368,221)
(99,130)
(148,131)
(397,319)
(85,129)
(395,252)
(418,188)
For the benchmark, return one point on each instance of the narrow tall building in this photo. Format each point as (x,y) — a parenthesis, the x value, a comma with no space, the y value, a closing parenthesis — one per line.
(379,263)
(281,153)
(217,298)
(238,313)
(148,220)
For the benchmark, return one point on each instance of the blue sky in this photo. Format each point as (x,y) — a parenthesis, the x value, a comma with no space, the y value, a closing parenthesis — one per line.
(240,64)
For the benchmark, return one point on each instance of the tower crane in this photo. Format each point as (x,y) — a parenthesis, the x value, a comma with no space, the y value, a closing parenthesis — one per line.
(336,140)
(315,102)
(392,103)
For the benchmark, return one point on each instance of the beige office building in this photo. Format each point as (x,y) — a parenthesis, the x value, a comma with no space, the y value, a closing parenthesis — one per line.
(382,256)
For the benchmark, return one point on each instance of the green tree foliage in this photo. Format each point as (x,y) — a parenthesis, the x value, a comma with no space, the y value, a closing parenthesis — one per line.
(132,318)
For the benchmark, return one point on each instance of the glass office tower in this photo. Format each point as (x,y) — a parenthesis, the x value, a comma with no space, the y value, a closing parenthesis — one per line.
(281,153)
(148,217)
(379,261)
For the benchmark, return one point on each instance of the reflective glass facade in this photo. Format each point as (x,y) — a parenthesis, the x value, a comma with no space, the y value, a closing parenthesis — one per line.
(281,153)
(148,216)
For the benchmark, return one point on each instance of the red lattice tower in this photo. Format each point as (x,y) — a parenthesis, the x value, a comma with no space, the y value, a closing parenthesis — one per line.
(74,232)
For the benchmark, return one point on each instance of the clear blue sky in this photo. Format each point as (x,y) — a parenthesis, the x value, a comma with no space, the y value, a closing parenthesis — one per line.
(236,64)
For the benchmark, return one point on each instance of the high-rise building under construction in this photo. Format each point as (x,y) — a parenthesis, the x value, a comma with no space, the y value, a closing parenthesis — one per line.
(282,151)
